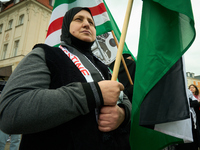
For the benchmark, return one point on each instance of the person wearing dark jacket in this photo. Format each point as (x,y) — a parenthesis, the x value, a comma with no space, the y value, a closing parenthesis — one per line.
(195,104)
(63,98)
(195,120)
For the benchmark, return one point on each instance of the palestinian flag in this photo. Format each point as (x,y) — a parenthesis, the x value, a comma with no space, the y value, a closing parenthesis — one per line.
(160,110)
(97,8)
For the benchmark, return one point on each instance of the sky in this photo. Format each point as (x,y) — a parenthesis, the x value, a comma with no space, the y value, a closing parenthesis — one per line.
(118,10)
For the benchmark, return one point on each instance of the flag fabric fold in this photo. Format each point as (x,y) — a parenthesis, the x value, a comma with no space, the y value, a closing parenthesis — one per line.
(160,99)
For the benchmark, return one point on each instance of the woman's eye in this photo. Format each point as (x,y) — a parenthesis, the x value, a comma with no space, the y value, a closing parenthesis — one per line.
(78,19)
(91,23)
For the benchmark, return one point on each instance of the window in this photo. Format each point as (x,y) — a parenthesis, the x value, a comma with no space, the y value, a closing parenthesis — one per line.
(5,47)
(192,75)
(1,7)
(51,2)
(1,27)
(188,74)
(21,19)
(10,24)
(15,48)
(16,1)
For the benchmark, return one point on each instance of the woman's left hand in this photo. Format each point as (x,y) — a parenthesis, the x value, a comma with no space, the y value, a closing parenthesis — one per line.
(110,118)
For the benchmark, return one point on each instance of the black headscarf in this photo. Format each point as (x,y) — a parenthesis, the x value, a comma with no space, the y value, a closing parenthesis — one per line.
(67,37)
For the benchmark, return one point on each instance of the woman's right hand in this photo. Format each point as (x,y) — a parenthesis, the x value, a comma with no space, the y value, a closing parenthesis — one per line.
(110,91)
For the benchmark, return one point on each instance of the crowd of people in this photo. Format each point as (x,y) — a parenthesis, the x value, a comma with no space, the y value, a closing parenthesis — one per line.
(63,98)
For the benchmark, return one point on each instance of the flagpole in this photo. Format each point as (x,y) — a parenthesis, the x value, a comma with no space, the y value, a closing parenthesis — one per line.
(121,42)
(123,61)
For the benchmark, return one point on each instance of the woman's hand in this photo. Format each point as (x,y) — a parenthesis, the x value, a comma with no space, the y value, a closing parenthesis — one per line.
(110,91)
(110,118)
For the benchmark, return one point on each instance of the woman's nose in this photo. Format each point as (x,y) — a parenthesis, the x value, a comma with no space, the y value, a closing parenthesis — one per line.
(86,24)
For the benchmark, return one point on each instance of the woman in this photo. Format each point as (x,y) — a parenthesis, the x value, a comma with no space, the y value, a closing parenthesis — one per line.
(62,98)
(195,104)
(195,91)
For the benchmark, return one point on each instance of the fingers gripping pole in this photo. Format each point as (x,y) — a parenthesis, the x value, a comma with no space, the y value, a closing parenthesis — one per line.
(121,43)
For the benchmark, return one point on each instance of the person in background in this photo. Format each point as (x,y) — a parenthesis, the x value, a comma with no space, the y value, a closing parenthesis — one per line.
(196,105)
(195,91)
(195,117)
(63,98)
(15,138)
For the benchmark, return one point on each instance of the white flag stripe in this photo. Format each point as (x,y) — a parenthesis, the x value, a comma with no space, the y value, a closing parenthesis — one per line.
(60,10)
(179,129)
(100,19)
(54,38)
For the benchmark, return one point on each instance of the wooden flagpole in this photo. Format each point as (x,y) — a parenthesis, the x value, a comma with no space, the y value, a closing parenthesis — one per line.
(121,42)
(123,61)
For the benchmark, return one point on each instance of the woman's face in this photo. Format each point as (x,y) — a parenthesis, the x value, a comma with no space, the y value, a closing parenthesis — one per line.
(83,27)
(192,88)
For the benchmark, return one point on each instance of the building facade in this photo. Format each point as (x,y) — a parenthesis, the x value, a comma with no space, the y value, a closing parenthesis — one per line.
(23,23)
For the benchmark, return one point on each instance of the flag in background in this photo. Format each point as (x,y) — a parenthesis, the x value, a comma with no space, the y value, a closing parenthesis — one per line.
(160,111)
(117,31)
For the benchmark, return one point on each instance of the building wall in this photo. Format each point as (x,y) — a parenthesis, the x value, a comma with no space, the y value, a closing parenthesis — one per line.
(32,31)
